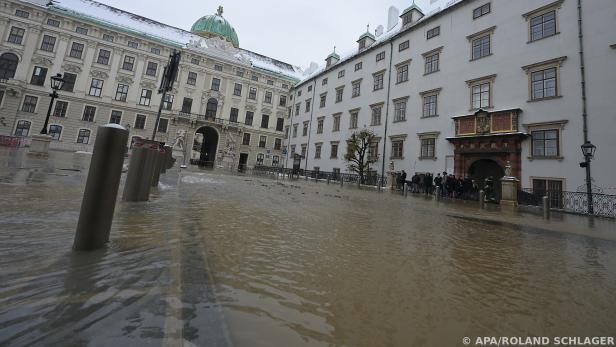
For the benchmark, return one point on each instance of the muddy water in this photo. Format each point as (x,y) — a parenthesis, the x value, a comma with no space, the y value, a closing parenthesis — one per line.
(249,261)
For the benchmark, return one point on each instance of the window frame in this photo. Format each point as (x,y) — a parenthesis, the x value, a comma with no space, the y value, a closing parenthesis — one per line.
(473,38)
(540,12)
(98,89)
(72,50)
(400,112)
(482,10)
(556,64)
(434,93)
(87,116)
(16,35)
(478,82)
(121,93)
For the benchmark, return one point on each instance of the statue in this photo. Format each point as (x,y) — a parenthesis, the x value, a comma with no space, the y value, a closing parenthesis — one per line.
(508,169)
(489,189)
(219,11)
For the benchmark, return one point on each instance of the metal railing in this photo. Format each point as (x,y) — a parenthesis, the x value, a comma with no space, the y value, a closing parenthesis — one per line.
(603,204)
(371,180)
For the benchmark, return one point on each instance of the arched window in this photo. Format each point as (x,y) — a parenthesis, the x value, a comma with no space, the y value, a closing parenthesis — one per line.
(83,136)
(23,128)
(55,131)
(8,65)
(212,106)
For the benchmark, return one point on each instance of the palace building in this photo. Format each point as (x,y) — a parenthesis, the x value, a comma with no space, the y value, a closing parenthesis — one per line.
(228,105)
(467,89)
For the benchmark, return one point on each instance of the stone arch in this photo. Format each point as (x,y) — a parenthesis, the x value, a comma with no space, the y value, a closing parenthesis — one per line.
(209,146)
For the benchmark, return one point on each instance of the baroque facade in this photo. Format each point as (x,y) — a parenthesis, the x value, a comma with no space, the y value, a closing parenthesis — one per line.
(227,107)
(467,89)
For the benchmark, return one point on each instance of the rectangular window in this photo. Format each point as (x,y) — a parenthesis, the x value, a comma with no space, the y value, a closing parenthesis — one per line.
(279,124)
(252,93)
(308,105)
(268,97)
(60,108)
(353,120)
(358,66)
(323,100)
(168,102)
(378,81)
(151,69)
(140,121)
(16,35)
(146,97)
(275,160)
(373,150)
(277,144)
(108,38)
(402,73)
(218,67)
(317,150)
(286,132)
(163,123)
(194,61)
(340,73)
(22,14)
(380,56)
(400,110)
(283,101)
(29,104)
(237,89)
(155,50)
(55,131)
(270,82)
(431,65)
(397,148)
(246,139)
(543,26)
(260,158)
(404,45)
(376,115)
(262,141)
(339,93)
(292,150)
(38,76)
(433,32)
(121,92)
(83,136)
(481,47)
(545,143)
(427,148)
(481,11)
(356,89)
(429,105)
(76,50)
(96,87)
(116,117)
(254,78)
(215,84)
(82,31)
(69,81)
(294,130)
(249,116)
(233,115)
(103,57)
(297,109)
(264,121)
(132,44)
(89,112)
(551,188)
(481,95)
(336,126)
(543,84)
(48,44)
(320,122)
(53,22)
(305,129)
(187,105)
(324,82)
(334,151)
(362,44)
(129,63)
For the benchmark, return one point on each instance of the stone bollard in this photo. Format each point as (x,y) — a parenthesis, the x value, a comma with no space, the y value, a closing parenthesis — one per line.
(341,181)
(406,189)
(482,199)
(546,207)
(139,176)
(99,197)
(438,193)
(358,183)
(328,178)
(158,165)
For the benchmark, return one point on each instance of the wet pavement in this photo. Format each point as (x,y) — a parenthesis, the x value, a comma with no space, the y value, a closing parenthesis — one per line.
(220,260)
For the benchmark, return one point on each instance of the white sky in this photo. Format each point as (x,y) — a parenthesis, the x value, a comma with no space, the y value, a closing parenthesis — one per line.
(296,32)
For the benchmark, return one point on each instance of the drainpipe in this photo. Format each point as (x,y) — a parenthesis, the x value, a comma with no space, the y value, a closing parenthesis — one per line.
(290,117)
(584,114)
(314,90)
(391,51)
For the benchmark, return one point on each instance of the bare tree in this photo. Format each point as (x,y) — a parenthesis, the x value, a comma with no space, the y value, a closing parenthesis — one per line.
(357,152)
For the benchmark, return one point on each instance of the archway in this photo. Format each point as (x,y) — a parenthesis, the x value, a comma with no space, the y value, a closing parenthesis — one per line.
(209,146)
(481,169)
(8,65)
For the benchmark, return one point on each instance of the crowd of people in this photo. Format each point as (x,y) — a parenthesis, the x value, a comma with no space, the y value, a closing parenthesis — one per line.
(447,185)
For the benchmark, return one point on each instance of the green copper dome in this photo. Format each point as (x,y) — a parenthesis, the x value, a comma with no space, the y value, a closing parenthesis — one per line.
(215,26)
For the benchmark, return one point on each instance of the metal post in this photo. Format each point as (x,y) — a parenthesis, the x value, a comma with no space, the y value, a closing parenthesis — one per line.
(341,181)
(546,207)
(482,199)
(158,164)
(140,171)
(101,190)
(328,178)
(406,189)
(438,193)
(53,96)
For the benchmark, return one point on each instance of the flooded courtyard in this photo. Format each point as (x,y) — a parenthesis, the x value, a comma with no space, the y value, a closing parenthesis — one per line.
(221,260)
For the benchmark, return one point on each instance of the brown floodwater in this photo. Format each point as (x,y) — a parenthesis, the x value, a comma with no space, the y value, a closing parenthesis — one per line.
(220,260)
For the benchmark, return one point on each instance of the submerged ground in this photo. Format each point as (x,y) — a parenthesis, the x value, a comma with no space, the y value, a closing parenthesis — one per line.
(219,260)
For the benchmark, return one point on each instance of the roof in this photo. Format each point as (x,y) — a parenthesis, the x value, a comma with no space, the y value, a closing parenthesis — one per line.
(366,34)
(410,8)
(216,25)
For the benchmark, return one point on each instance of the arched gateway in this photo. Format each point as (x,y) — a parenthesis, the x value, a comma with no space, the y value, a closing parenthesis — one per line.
(482,169)
(205,147)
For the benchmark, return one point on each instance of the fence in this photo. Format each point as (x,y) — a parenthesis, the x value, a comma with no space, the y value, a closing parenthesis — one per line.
(371,179)
(603,204)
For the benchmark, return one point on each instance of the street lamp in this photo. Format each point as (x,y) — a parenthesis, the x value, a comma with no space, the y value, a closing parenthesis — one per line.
(56,83)
(588,149)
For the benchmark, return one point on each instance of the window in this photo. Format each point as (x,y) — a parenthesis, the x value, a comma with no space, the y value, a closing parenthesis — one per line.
(407,18)
(545,143)
(69,81)
(339,92)
(400,110)
(324,82)
(481,11)
(336,126)
(246,139)
(116,117)
(155,50)
(163,123)
(216,84)
(279,124)
(353,120)
(275,160)
(48,43)
(81,30)
(218,67)
(283,101)
(429,105)
(376,115)
(334,150)
(317,150)
(397,149)
(264,121)
(22,14)
(168,102)
(433,32)
(304,151)
(146,97)
(260,158)
(292,150)
(132,44)
(294,130)
(140,121)
(96,87)
(108,37)
(270,82)
(431,64)
(427,147)
(481,47)
(38,76)
(83,136)
(356,89)
(16,35)
(543,84)
(320,122)
(8,65)
(23,128)
(358,66)
(60,108)
(252,93)
(249,117)
(29,104)
(262,141)
(192,78)
(373,150)
(404,45)
(187,105)
(309,88)
(53,22)
(103,57)
(362,44)
(340,74)
(55,131)
(277,144)
(286,132)
(254,78)
(285,86)
(305,129)
(551,188)
(268,97)
(308,105)
(194,61)
(233,115)
(480,95)
(121,92)
(151,69)
(323,100)
(237,89)
(76,50)
(297,109)
(129,63)
(378,81)
(380,56)
(89,112)
(402,73)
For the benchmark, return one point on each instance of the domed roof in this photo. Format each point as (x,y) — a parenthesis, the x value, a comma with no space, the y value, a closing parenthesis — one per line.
(215,26)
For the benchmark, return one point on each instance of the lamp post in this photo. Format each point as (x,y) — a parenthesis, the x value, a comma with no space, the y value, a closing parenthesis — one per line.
(56,83)
(588,149)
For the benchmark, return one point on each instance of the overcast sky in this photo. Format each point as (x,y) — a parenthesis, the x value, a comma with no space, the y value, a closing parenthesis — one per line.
(295,32)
